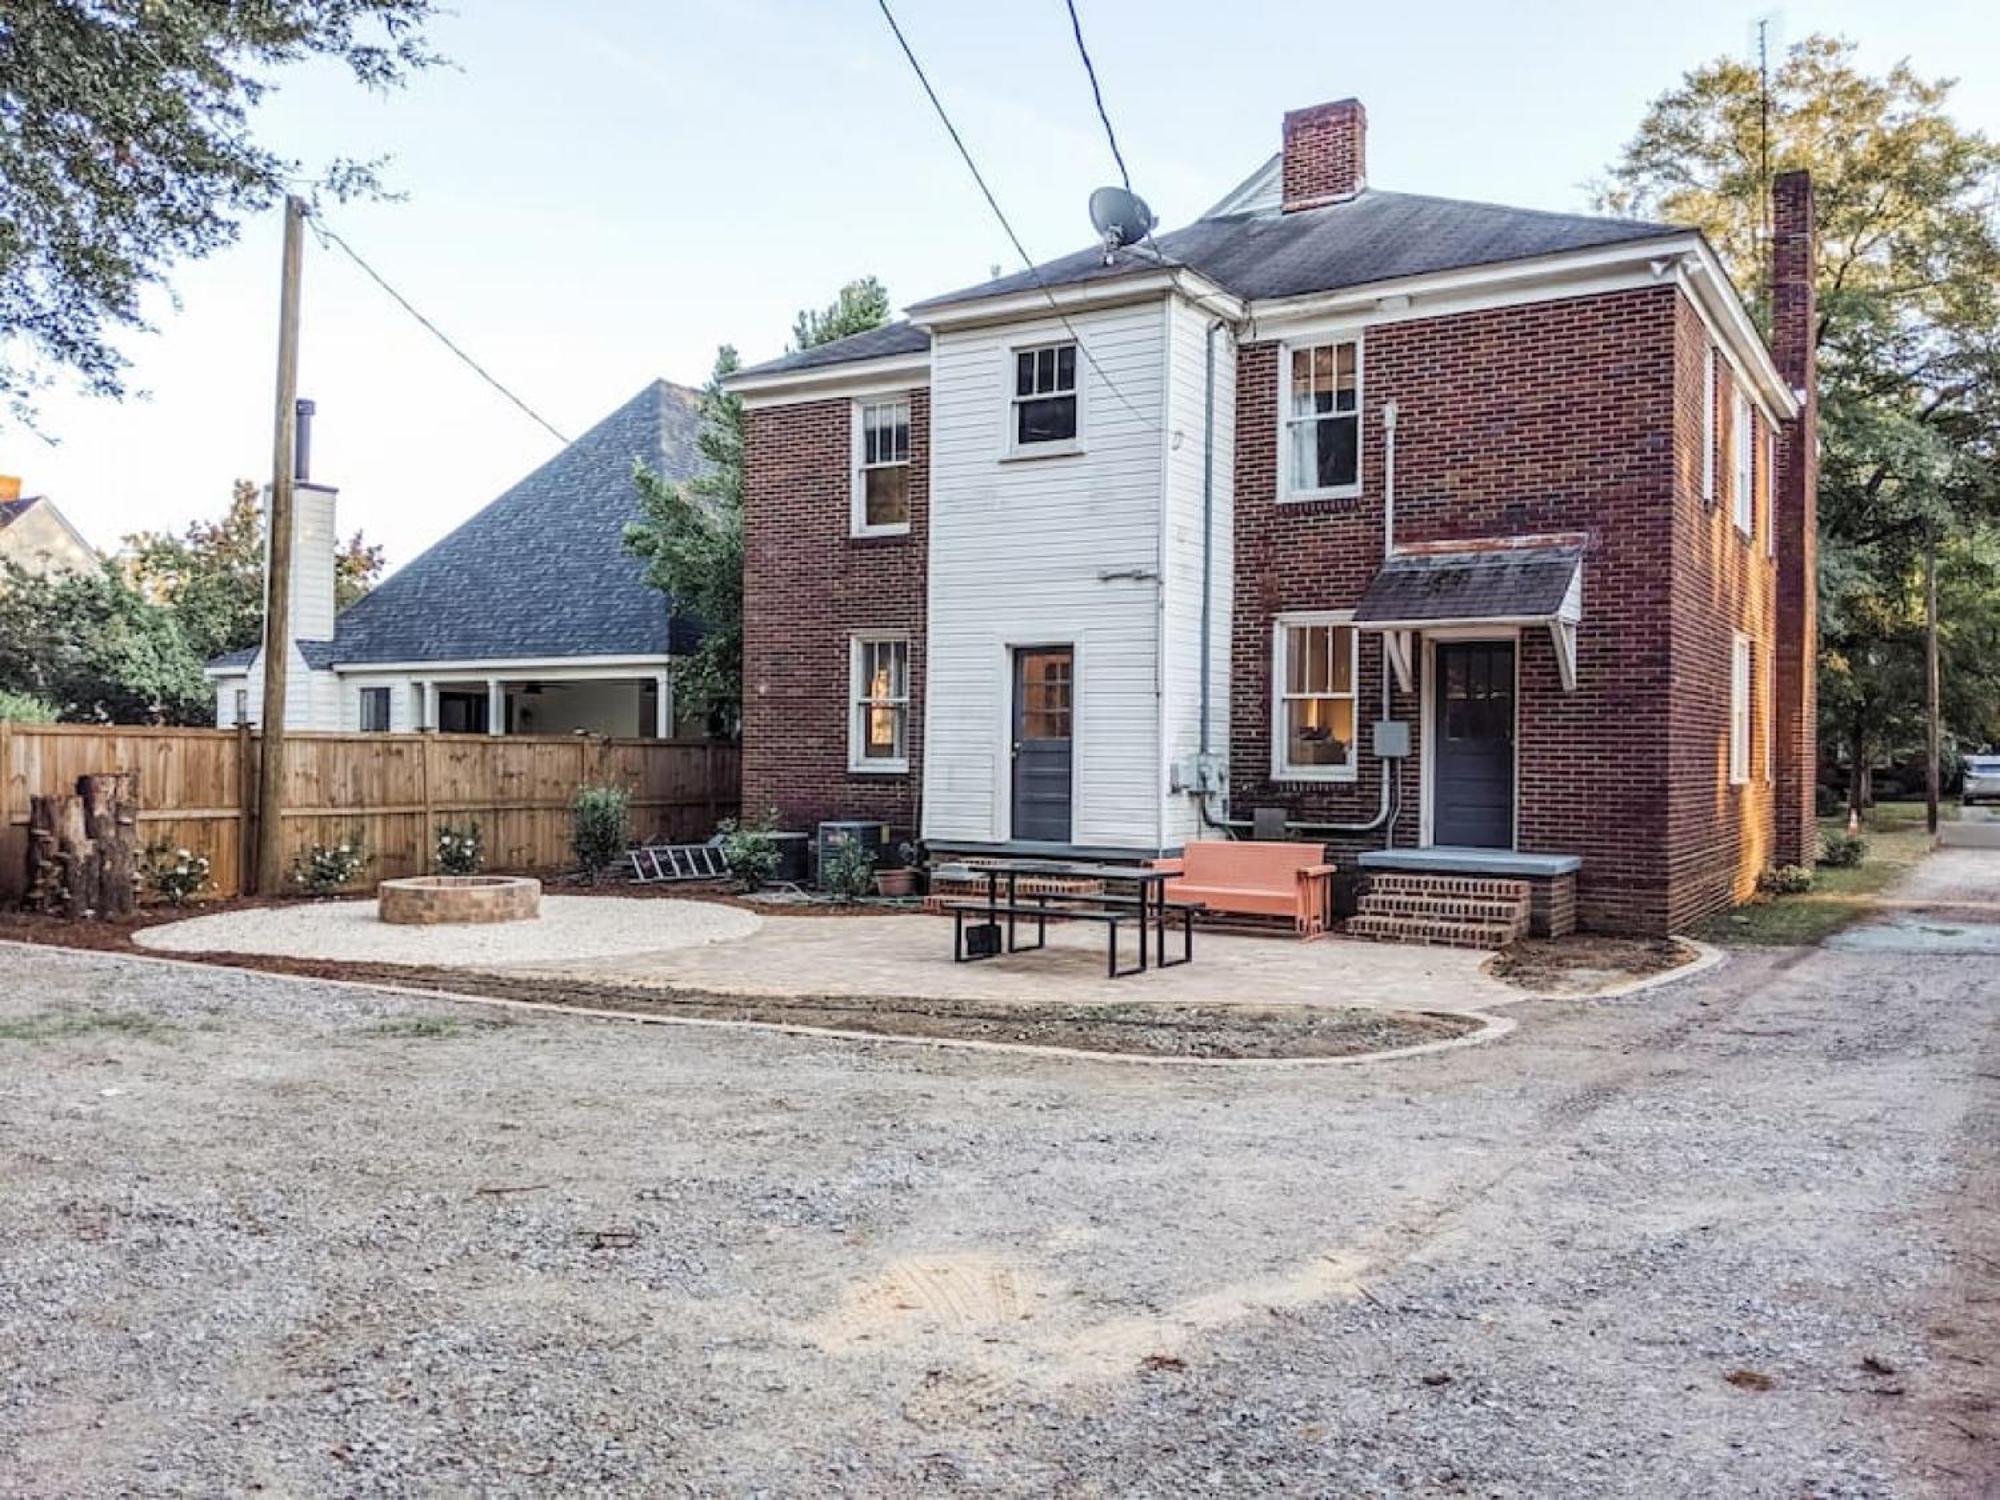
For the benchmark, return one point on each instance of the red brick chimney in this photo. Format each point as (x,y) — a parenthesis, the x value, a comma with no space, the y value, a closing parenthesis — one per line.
(1326,154)
(1794,325)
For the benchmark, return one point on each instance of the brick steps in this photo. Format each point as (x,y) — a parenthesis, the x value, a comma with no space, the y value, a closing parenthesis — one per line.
(1456,911)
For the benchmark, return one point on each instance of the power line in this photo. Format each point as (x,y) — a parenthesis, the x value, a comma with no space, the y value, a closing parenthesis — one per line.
(993,203)
(1096,93)
(325,234)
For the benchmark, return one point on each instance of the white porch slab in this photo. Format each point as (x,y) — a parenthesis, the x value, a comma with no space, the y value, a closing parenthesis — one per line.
(1449,860)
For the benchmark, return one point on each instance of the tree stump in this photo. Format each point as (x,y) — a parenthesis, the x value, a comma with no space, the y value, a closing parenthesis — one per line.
(83,850)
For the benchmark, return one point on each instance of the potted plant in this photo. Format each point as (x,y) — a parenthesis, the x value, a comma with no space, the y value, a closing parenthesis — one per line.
(899,879)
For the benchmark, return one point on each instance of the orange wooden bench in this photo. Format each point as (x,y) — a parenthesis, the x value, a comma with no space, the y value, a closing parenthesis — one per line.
(1257,880)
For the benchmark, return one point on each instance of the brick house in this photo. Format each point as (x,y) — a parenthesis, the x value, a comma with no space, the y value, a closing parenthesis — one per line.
(1474,542)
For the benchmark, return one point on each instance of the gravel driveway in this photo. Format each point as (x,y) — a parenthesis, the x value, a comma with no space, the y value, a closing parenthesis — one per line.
(1730,1237)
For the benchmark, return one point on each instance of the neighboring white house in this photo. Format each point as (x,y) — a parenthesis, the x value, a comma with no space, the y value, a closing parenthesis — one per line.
(37,537)
(530,618)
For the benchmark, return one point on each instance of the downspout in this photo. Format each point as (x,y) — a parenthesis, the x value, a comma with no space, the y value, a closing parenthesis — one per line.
(1207,552)
(1390,807)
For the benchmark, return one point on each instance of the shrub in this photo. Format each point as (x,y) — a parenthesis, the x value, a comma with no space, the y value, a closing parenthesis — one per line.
(1786,880)
(598,816)
(326,868)
(1842,850)
(175,876)
(751,848)
(460,851)
(25,708)
(848,870)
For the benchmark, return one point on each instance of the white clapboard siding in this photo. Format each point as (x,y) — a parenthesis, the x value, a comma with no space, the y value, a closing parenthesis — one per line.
(1187,330)
(1016,550)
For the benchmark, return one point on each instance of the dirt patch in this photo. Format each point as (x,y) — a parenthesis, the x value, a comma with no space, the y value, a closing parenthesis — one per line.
(1586,963)
(1148,1030)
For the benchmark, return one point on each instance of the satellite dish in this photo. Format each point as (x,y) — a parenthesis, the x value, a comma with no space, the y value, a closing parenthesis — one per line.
(1120,216)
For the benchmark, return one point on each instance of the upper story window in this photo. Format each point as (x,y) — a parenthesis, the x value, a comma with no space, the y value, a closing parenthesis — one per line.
(1313,670)
(1743,479)
(879,720)
(1708,424)
(374,710)
(882,467)
(242,706)
(1321,408)
(1045,412)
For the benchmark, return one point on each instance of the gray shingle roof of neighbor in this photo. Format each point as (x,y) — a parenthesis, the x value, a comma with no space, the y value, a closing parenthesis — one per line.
(541,571)
(1505,583)
(876,343)
(1255,251)
(13,510)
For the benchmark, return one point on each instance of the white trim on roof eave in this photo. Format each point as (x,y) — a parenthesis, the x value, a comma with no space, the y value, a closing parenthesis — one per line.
(1715,297)
(541,664)
(830,380)
(1078,296)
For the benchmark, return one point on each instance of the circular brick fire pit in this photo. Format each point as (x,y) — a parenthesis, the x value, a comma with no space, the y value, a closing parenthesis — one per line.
(427,900)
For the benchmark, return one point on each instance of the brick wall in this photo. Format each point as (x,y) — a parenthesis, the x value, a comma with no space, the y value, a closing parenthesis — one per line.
(808,588)
(1720,836)
(1554,417)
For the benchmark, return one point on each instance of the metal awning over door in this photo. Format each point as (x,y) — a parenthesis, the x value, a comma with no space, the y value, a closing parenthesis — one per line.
(1498,583)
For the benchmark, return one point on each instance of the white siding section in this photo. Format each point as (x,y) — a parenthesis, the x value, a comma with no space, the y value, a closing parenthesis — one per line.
(313,542)
(1187,333)
(1016,550)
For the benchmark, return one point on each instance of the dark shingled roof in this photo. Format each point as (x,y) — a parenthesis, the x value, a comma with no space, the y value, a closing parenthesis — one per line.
(541,571)
(1373,236)
(1506,583)
(11,510)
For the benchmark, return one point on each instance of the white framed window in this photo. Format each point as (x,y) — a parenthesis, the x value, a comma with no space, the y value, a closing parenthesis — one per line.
(879,693)
(1708,424)
(1315,663)
(1770,717)
(373,713)
(882,466)
(242,706)
(1739,709)
(1770,491)
(1044,413)
(1743,456)
(1319,418)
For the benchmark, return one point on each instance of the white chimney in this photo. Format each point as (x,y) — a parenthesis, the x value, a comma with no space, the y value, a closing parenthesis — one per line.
(313,540)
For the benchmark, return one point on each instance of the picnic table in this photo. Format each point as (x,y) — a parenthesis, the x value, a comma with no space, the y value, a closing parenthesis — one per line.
(1144,900)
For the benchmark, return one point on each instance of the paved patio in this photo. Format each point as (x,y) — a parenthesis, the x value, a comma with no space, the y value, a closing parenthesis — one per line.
(909,955)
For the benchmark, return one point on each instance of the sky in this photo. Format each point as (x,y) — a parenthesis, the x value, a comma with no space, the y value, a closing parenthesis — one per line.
(600,192)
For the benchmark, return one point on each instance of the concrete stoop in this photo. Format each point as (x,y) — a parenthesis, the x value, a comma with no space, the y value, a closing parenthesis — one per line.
(1454,911)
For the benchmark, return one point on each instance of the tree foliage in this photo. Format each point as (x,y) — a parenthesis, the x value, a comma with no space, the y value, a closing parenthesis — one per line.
(690,536)
(858,307)
(212,574)
(1908,342)
(127,145)
(97,651)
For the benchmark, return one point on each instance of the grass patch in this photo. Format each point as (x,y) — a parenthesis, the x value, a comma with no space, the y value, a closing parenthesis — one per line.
(423,1027)
(61,1025)
(1896,838)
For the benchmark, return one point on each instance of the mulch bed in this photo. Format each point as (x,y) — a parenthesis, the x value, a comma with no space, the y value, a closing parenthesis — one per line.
(1585,962)
(1132,1029)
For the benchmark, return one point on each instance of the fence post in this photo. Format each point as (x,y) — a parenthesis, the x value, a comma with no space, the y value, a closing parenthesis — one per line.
(246,810)
(427,840)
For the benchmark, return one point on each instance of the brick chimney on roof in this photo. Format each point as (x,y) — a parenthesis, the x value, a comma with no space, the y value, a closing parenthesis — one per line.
(1326,154)
(1794,330)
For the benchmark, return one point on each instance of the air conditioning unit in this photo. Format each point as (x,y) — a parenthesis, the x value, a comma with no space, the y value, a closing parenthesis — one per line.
(874,837)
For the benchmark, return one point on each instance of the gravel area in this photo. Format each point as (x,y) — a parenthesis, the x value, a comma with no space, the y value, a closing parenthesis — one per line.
(1732,1236)
(569,928)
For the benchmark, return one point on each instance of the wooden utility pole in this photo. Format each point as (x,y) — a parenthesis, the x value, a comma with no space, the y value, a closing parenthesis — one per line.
(278,568)
(1931,693)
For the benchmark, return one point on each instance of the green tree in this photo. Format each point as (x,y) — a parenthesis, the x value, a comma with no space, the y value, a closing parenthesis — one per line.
(858,307)
(1908,342)
(20,708)
(690,536)
(97,651)
(126,146)
(212,574)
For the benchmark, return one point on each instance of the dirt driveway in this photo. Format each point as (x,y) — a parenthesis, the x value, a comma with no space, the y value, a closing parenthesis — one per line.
(1733,1236)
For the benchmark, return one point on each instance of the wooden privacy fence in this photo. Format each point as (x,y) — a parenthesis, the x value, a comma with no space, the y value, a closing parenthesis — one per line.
(198,790)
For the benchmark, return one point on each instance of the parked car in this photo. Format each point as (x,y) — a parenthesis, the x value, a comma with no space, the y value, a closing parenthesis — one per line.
(1982,779)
